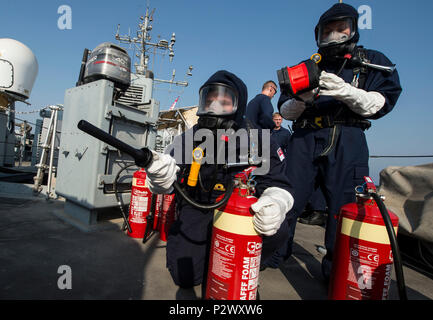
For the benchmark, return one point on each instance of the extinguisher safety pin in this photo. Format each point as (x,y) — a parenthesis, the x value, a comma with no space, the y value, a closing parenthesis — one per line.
(363,193)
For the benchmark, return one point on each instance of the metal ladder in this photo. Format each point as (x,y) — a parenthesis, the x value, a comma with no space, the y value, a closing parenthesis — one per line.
(47,147)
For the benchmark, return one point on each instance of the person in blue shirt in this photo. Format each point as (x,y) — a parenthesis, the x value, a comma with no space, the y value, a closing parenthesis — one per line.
(282,135)
(260,109)
(328,146)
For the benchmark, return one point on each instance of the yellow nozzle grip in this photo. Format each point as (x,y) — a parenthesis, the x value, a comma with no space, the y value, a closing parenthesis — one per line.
(197,156)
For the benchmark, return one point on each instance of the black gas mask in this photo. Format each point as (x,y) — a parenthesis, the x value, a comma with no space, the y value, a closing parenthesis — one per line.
(337,31)
(217,106)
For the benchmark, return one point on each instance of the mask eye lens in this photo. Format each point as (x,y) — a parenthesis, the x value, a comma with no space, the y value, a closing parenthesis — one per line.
(217,100)
(335,32)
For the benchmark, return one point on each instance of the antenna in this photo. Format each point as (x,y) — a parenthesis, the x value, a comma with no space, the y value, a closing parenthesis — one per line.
(143,45)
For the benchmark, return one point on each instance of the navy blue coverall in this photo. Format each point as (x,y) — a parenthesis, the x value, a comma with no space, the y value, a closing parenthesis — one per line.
(282,136)
(189,237)
(340,170)
(317,201)
(259,112)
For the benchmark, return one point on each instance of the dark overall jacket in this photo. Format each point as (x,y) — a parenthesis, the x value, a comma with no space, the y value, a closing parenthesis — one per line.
(329,147)
(189,237)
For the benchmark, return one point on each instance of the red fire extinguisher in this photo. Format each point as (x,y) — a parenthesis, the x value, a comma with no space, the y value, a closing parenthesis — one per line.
(235,252)
(139,207)
(363,255)
(157,212)
(167,217)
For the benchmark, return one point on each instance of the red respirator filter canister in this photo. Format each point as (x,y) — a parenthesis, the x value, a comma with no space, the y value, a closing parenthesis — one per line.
(301,77)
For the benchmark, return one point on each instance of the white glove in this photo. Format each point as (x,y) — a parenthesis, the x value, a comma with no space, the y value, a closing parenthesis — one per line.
(270,210)
(161,173)
(292,109)
(359,101)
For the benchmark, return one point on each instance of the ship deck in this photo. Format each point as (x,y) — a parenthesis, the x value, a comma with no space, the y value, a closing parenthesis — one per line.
(37,238)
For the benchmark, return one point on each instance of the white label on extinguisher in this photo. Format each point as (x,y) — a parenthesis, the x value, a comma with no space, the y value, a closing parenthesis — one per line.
(138,206)
(250,272)
(386,281)
(223,253)
(360,270)
(365,255)
(369,275)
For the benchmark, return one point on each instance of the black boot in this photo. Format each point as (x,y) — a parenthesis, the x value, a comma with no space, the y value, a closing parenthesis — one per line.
(186,294)
(313,217)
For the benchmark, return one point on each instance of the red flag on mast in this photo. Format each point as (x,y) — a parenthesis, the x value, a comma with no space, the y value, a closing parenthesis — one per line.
(174,103)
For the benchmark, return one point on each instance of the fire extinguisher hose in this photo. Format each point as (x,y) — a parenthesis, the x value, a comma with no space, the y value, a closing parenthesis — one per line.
(119,199)
(223,201)
(394,246)
(148,232)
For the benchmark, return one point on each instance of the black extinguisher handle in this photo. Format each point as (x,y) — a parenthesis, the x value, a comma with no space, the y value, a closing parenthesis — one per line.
(142,157)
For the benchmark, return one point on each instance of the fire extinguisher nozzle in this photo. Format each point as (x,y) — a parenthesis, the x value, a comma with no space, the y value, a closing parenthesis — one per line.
(142,157)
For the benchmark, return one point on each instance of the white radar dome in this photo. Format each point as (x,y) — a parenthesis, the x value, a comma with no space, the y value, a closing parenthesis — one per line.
(18,68)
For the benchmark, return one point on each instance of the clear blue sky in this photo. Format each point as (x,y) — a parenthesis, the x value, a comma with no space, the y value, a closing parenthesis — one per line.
(250,38)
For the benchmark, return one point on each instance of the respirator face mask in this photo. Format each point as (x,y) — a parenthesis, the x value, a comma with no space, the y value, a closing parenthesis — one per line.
(217,99)
(218,103)
(335,32)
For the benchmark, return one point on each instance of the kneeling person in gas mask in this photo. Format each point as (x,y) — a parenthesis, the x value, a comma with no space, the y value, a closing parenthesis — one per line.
(222,105)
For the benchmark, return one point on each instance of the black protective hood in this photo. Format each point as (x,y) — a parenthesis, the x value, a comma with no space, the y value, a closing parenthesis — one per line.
(238,85)
(336,12)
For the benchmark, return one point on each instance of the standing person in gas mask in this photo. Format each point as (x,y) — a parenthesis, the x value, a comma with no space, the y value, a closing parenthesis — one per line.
(222,105)
(328,145)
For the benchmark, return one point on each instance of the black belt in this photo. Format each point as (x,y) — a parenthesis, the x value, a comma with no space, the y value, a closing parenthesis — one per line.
(328,122)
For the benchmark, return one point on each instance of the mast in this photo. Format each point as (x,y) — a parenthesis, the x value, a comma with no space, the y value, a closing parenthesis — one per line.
(143,44)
